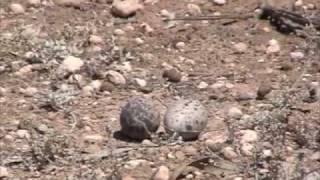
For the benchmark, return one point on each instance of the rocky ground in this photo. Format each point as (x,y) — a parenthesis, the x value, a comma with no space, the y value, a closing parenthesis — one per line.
(67,67)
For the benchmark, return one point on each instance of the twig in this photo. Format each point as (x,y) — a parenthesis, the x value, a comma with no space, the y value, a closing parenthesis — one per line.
(208,17)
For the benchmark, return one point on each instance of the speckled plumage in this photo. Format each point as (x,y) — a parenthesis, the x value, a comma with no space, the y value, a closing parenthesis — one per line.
(139,119)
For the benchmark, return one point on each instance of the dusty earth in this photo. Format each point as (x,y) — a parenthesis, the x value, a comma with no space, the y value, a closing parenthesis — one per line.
(65,125)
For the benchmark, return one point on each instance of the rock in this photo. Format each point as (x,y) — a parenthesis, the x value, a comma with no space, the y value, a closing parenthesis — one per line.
(220,2)
(139,119)
(247,149)
(141,82)
(17,8)
(94,39)
(116,78)
(23,134)
(147,142)
(96,85)
(134,163)
(187,118)
(30,91)
(298,3)
(24,71)
(243,92)
(42,128)
(180,45)
(235,113)
(202,85)
(163,173)
(139,41)
(273,47)
(229,153)
(146,28)
(71,64)
(125,8)
(173,75)
(215,143)
(119,32)
(3,172)
(94,139)
(266,153)
(190,150)
(263,90)
(297,55)
(3,91)
(248,136)
(194,9)
(87,90)
(315,175)
(241,47)
(33,3)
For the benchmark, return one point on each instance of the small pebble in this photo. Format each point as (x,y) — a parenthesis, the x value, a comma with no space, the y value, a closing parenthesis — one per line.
(220,2)
(229,153)
(202,85)
(116,78)
(247,149)
(72,64)
(163,173)
(248,136)
(194,9)
(273,47)
(241,47)
(17,8)
(3,172)
(235,113)
(119,32)
(297,55)
(264,89)
(94,39)
(141,82)
(180,45)
(42,128)
(126,8)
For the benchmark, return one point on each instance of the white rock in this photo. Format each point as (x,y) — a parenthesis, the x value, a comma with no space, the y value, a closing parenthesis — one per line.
(146,28)
(298,3)
(241,47)
(72,64)
(3,172)
(119,32)
(235,113)
(17,8)
(96,85)
(203,85)
(125,8)
(218,85)
(163,173)
(297,55)
(94,139)
(116,78)
(274,47)
(22,133)
(3,91)
(134,163)
(30,91)
(33,3)
(94,39)
(180,45)
(220,2)
(247,149)
(248,136)
(266,153)
(165,13)
(229,153)
(87,90)
(141,82)
(194,9)
(139,41)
